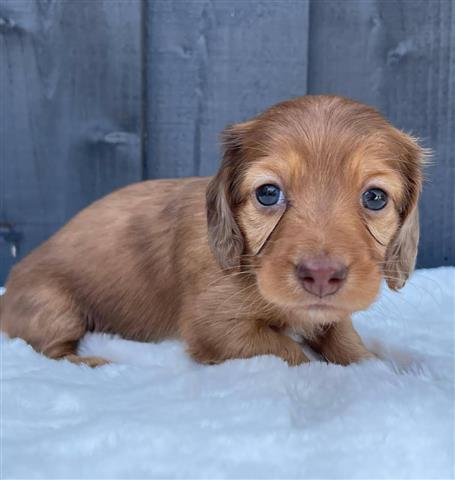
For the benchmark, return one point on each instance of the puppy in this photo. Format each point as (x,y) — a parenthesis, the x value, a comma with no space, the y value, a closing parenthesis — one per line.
(314,203)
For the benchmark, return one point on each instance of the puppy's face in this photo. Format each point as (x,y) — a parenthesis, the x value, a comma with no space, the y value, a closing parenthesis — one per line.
(318,196)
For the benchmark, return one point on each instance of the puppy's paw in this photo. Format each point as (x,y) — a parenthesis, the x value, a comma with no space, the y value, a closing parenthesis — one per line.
(293,354)
(367,355)
(353,357)
(90,361)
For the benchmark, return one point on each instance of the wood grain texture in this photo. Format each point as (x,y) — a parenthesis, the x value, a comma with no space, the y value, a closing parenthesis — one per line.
(96,94)
(70,83)
(216,62)
(399,56)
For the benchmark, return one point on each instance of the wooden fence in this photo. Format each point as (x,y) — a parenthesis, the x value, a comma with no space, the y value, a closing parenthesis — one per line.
(96,94)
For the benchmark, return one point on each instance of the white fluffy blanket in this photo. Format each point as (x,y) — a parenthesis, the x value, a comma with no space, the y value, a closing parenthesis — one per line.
(156,414)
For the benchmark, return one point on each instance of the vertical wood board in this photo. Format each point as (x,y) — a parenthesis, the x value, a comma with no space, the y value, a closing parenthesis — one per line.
(216,62)
(70,124)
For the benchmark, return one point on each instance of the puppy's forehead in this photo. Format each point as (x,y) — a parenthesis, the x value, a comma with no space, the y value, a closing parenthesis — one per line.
(321,141)
(354,160)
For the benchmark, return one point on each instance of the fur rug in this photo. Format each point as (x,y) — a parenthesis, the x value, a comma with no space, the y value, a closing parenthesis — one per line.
(156,414)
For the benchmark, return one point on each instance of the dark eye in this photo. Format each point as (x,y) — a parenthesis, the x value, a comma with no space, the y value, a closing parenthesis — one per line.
(269,195)
(374,199)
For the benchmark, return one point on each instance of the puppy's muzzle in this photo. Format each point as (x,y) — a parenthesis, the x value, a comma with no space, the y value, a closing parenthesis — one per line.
(321,276)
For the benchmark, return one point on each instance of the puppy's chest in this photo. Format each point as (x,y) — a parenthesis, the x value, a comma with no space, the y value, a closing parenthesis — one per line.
(299,324)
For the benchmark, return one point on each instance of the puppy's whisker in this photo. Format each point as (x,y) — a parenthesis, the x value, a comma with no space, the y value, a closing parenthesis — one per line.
(415,286)
(230,276)
(235,294)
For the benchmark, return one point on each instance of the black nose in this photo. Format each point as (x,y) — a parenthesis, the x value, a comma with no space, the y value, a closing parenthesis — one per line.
(321,276)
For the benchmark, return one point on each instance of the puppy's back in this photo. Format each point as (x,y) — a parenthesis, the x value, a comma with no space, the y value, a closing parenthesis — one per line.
(113,268)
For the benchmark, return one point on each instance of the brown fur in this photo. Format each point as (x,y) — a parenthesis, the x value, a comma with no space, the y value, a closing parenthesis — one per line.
(202,260)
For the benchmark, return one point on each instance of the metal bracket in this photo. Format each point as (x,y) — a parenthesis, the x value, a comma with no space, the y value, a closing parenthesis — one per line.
(11,237)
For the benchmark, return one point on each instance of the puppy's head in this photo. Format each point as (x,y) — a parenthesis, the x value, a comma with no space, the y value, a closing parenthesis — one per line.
(318,196)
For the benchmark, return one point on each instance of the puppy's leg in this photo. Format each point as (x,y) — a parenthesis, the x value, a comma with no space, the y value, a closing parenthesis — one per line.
(341,344)
(214,342)
(47,319)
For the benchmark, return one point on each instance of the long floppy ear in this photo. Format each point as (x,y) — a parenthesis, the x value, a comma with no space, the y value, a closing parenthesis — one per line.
(225,237)
(402,250)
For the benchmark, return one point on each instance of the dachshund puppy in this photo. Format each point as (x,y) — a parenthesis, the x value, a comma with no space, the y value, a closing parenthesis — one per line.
(314,203)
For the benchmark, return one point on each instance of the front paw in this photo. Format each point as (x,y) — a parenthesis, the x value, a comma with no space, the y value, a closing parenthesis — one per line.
(351,357)
(293,355)
(369,356)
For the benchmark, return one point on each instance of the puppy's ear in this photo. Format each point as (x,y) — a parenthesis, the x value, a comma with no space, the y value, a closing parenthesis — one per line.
(225,237)
(402,250)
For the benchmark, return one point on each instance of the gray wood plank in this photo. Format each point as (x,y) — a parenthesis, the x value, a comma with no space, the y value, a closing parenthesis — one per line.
(70,84)
(70,123)
(212,63)
(399,56)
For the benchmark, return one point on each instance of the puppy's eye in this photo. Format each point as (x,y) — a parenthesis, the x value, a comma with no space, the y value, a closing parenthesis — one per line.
(374,199)
(269,195)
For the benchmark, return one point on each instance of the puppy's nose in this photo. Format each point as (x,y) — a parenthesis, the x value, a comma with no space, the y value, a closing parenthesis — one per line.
(321,276)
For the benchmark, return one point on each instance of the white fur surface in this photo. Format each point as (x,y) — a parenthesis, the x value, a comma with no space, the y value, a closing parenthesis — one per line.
(156,414)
